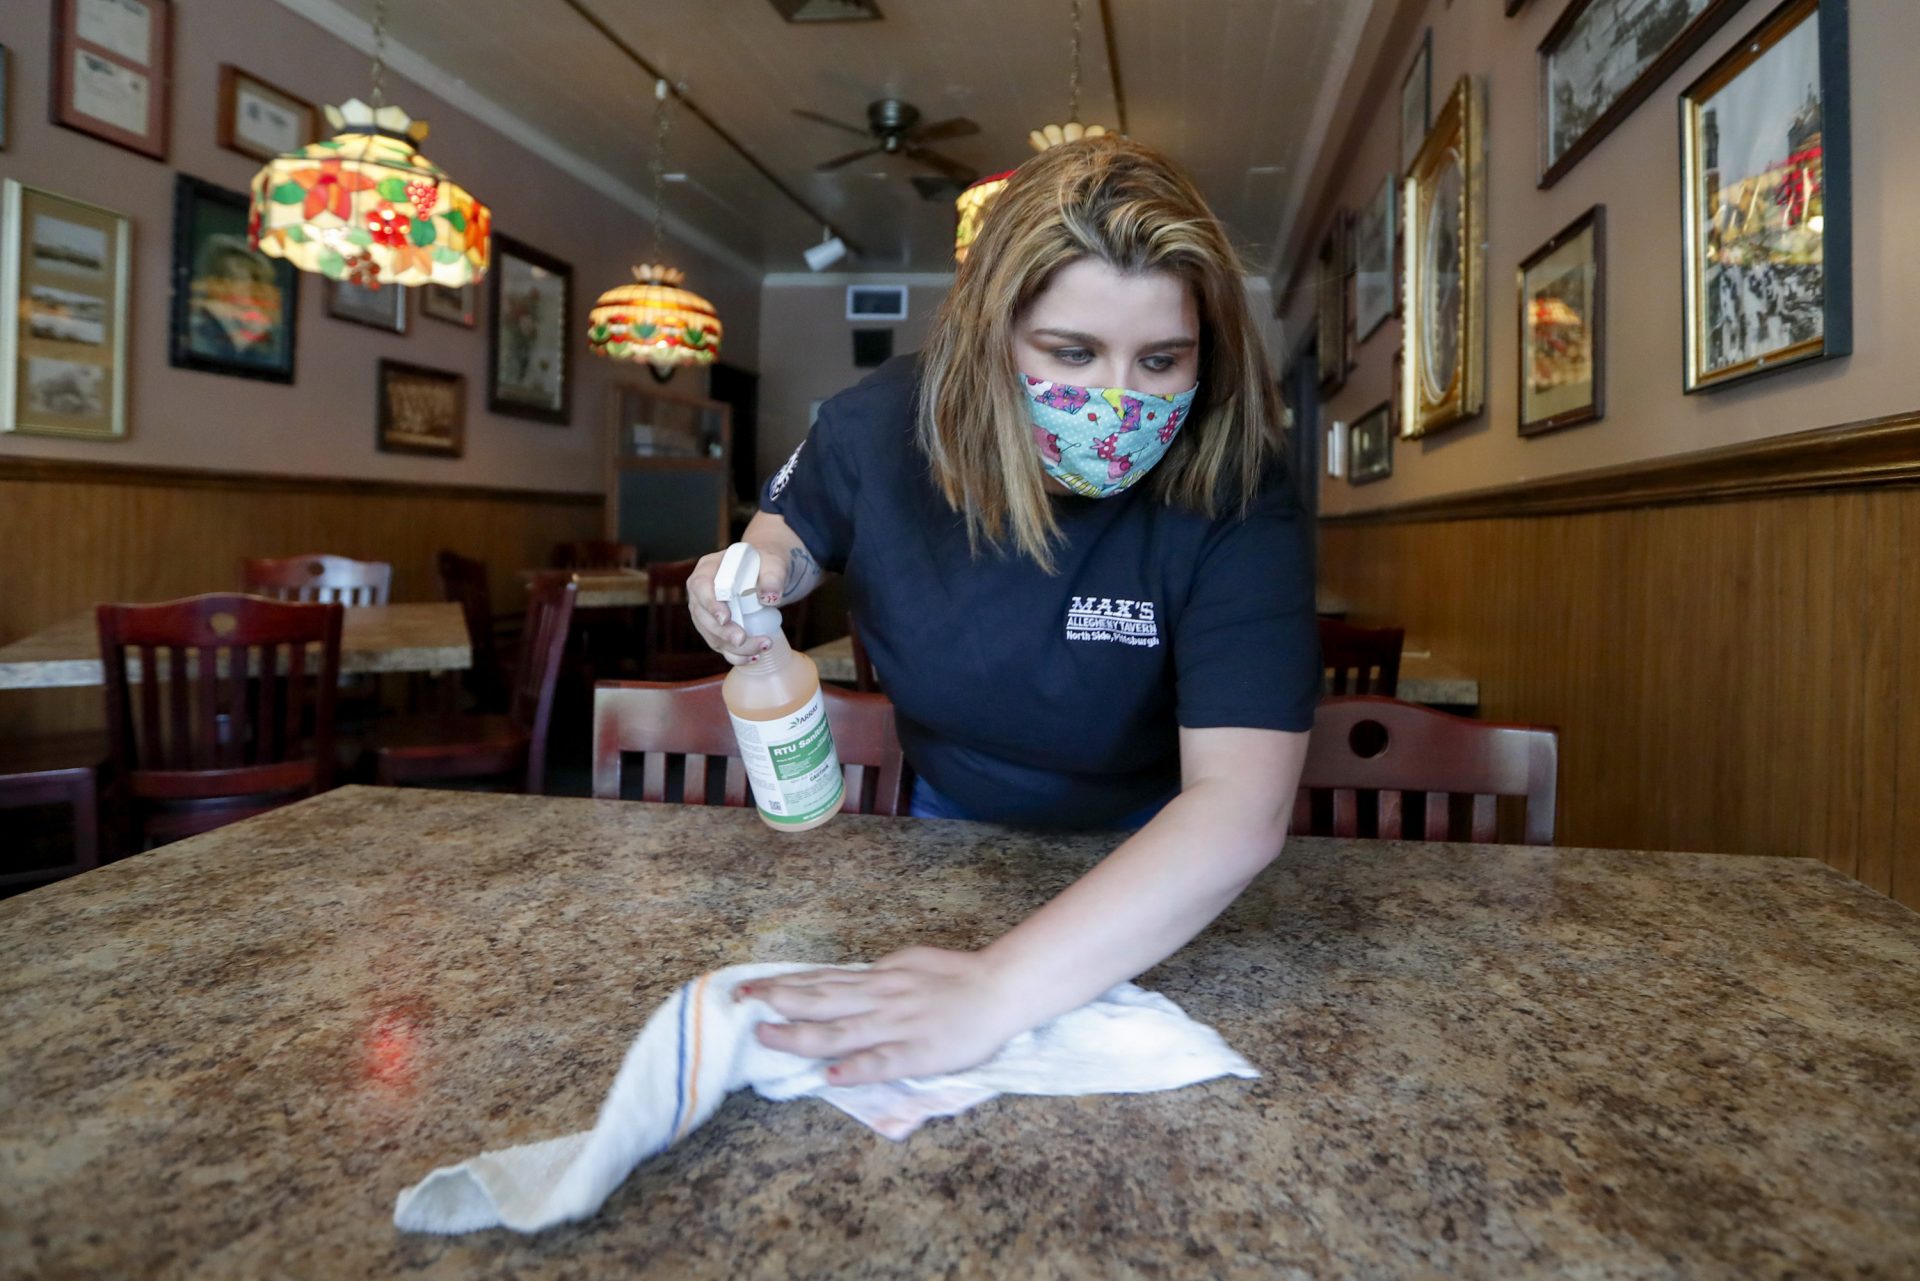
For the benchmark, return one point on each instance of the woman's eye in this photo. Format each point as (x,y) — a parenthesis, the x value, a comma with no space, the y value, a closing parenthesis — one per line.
(1072,355)
(1158,364)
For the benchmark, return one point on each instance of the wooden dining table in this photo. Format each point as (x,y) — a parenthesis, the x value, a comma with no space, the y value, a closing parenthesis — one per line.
(602,588)
(428,636)
(225,1058)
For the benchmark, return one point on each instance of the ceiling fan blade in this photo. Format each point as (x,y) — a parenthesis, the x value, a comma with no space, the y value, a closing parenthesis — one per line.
(942,130)
(847,159)
(817,118)
(935,187)
(934,160)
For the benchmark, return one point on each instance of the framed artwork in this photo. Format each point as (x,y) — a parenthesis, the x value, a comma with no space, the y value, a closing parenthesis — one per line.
(422,411)
(1333,345)
(451,303)
(113,70)
(529,302)
(1396,402)
(6,93)
(234,308)
(1443,217)
(1766,187)
(382,308)
(1370,446)
(1563,327)
(1602,58)
(1373,277)
(260,120)
(64,271)
(1416,102)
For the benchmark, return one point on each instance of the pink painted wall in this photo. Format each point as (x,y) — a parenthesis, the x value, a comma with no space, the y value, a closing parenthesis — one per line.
(323,423)
(1635,173)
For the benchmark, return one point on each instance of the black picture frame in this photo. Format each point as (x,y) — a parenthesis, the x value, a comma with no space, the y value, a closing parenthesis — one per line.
(1555,165)
(553,335)
(1333,327)
(1422,66)
(204,316)
(1592,223)
(1373,433)
(6,93)
(390,434)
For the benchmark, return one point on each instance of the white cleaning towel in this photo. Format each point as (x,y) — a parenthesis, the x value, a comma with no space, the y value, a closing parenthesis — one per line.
(699,1047)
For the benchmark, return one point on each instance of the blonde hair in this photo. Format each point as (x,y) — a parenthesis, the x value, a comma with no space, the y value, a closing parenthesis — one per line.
(1111,199)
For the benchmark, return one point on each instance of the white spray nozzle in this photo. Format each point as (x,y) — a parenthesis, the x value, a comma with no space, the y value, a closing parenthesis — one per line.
(738,584)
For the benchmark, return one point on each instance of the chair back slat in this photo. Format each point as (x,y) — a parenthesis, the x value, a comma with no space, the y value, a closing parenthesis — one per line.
(674,649)
(595,553)
(1371,751)
(1360,660)
(550,601)
(864,679)
(319,579)
(464,582)
(685,724)
(230,732)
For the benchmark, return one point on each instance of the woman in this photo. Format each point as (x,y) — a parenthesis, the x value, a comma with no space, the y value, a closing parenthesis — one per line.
(1082,578)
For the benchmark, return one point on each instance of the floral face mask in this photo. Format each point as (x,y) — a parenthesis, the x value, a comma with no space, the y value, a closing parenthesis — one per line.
(1099,441)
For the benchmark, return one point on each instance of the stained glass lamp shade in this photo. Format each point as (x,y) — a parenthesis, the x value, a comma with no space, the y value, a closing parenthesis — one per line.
(365,206)
(973,202)
(654,321)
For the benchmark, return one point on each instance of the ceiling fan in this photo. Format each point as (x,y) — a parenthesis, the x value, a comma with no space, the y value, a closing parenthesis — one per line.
(894,129)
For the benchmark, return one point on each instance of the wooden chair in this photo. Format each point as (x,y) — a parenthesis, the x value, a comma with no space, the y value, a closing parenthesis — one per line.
(682,729)
(424,749)
(241,729)
(319,578)
(1360,660)
(464,582)
(863,678)
(595,553)
(55,769)
(1424,765)
(675,651)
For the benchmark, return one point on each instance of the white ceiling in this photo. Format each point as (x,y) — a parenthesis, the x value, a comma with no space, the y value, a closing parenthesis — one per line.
(1227,87)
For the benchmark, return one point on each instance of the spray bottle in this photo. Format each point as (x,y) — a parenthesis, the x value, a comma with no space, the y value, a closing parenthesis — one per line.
(779,718)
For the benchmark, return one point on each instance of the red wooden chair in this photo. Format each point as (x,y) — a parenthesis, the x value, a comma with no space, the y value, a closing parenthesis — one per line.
(424,749)
(595,553)
(675,651)
(685,725)
(1360,660)
(240,730)
(55,769)
(863,678)
(1437,776)
(319,578)
(464,582)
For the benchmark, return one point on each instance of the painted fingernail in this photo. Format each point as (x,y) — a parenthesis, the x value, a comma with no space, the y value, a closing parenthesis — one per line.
(833,1073)
(765,646)
(742,992)
(754,659)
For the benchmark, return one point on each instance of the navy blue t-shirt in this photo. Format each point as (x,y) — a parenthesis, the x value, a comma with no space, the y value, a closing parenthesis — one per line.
(1052,699)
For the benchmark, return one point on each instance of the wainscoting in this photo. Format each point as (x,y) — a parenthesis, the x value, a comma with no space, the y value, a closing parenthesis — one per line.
(74,534)
(1729,643)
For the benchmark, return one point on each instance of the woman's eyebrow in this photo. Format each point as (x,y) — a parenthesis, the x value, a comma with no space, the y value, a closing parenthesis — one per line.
(1089,340)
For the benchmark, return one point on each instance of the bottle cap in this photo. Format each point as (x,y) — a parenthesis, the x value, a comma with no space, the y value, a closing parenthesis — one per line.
(738,584)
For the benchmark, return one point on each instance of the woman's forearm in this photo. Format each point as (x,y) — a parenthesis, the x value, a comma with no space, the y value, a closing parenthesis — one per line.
(774,539)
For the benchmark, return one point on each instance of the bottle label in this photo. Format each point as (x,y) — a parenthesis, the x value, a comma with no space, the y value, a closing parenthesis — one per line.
(791,763)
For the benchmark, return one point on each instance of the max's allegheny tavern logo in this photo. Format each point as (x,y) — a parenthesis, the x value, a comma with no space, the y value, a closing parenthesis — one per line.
(1104,618)
(785,474)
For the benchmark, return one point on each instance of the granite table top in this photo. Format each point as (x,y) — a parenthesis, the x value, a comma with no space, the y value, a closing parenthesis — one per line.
(426,636)
(603,588)
(226,1057)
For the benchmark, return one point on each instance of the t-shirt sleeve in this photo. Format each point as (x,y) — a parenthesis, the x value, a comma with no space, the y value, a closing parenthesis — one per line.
(814,491)
(1247,645)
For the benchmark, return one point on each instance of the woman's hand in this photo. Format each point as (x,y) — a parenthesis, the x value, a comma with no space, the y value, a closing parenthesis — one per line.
(918,1012)
(787,572)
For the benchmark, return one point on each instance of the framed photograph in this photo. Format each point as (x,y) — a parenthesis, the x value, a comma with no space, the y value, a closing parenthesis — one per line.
(1602,58)
(1443,218)
(529,303)
(382,308)
(1370,445)
(1373,276)
(1416,102)
(422,411)
(113,70)
(1767,220)
(1333,346)
(1563,327)
(259,120)
(876,302)
(233,308)
(453,304)
(64,271)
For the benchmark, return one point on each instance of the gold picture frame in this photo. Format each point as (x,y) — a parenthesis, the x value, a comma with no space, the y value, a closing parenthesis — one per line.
(1443,220)
(65,269)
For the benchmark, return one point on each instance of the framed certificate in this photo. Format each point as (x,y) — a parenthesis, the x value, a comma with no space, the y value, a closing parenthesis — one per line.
(113,70)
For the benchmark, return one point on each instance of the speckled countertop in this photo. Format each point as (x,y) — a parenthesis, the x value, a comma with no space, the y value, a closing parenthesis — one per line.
(224,1059)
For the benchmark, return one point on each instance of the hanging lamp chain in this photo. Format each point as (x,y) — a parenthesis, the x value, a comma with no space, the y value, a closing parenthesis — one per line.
(1073,82)
(659,167)
(380,54)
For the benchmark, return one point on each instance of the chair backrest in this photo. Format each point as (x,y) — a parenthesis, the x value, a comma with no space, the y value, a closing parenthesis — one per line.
(543,639)
(235,719)
(319,578)
(864,679)
(596,553)
(1360,660)
(686,723)
(1424,766)
(675,651)
(464,582)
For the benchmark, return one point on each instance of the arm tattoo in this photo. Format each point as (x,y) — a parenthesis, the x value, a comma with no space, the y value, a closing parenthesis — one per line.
(803,574)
